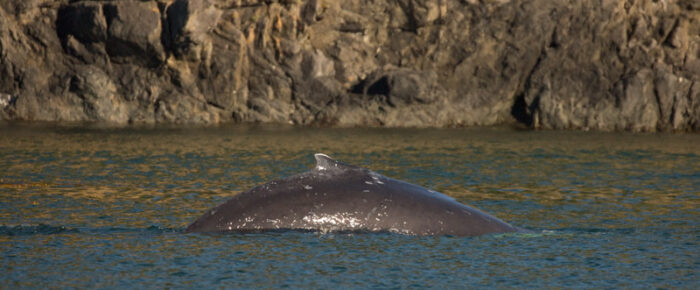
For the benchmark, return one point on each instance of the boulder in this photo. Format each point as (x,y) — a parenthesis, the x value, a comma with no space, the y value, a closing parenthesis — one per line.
(190,22)
(83,20)
(134,32)
(99,95)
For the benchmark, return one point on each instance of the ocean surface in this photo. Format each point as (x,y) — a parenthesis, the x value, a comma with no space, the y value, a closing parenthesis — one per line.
(91,207)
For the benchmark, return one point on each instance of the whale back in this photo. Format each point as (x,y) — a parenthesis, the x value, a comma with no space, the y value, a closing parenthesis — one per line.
(335,196)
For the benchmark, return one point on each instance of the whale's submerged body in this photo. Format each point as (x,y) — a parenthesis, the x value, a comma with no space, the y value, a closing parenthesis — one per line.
(339,197)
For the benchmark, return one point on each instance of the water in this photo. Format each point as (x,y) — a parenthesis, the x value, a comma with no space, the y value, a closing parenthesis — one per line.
(100,207)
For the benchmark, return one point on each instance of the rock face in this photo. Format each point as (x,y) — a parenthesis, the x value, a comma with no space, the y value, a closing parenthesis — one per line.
(601,65)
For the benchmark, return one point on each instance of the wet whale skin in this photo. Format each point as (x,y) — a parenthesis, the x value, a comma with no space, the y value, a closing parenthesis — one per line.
(335,196)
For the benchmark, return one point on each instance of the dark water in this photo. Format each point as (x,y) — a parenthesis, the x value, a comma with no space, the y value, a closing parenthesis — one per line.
(90,207)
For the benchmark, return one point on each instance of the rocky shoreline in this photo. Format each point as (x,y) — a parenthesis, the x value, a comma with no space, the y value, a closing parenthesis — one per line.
(598,65)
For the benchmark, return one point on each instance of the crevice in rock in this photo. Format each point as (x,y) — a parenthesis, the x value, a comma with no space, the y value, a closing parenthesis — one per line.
(215,105)
(659,107)
(520,111)
(165,39)
(666,38)
(380,87)
(351,27)
(408,9)
(372,87)
(358,88)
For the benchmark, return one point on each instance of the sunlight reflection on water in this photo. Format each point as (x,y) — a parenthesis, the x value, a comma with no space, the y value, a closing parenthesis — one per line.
(96,207)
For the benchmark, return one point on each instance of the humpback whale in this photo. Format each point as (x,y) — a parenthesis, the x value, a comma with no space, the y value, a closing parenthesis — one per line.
(335,196)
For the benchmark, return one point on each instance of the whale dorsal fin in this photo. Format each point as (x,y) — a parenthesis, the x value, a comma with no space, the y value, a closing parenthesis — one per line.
(325,162)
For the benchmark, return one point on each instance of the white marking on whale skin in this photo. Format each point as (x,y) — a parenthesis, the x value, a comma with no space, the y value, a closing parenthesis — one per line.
(376,179)
(366,190)
(330,222)
(212,212)
(368,182)
(308,187)
(401,231)
(374,209)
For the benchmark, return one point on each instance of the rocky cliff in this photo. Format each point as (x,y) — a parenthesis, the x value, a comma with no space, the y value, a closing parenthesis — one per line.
(562,64)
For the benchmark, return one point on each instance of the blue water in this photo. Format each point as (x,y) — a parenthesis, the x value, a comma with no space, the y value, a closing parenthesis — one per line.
(100,207)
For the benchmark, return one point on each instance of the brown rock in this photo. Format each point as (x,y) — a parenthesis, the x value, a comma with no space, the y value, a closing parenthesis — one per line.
(546,64)
(134,32)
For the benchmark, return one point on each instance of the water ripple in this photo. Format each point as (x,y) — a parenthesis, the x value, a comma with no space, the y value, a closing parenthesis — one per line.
(105,208)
